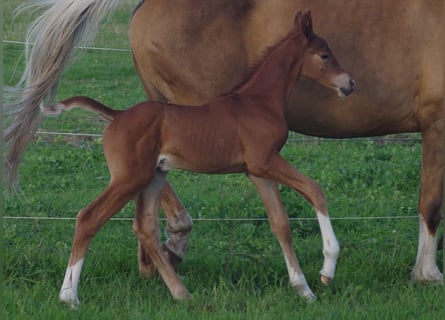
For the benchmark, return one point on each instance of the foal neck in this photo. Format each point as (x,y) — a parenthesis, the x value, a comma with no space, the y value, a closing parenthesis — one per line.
(271,79)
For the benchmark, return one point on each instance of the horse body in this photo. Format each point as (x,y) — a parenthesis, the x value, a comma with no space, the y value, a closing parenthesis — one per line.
(219,139)
(392,48)
(247,130)
(190,51)
(195,55)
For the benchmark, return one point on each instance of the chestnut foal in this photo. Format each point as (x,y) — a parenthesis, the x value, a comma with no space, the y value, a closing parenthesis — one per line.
(240,132)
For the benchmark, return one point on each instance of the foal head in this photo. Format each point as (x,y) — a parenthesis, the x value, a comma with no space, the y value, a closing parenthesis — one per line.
(320,64)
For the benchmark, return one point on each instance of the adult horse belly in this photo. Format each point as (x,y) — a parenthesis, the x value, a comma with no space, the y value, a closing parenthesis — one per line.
(395,63)
(313,110)
(190,59)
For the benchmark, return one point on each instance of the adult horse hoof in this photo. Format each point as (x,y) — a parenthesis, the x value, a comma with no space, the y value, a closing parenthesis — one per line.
(325,280)
(432,277)
(174,259)
(147,269)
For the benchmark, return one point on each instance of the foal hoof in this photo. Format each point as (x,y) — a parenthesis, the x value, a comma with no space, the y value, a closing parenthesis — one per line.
(310,298)
(325,280)
(66,298)
(147,271)
(182,296)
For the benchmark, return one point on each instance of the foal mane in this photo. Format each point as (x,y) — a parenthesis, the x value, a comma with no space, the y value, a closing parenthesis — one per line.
(250,72)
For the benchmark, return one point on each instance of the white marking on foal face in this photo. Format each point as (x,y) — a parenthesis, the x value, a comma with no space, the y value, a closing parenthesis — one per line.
(344,84)
(163,163)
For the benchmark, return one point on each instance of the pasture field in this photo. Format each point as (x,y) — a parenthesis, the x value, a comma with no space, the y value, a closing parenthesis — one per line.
(233,268)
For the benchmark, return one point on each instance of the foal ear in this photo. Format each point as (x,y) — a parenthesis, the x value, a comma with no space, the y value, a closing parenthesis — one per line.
(298,20)
(306,24)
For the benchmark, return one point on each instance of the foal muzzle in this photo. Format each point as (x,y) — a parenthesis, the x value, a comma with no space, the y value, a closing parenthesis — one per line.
(346,91)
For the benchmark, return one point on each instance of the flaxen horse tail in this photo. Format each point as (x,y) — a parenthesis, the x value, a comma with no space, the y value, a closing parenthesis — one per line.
(82,103)
(51,42)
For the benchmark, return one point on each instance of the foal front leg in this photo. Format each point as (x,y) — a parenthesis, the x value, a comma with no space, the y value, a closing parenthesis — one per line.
(179,226)
(279,223)
(281,171)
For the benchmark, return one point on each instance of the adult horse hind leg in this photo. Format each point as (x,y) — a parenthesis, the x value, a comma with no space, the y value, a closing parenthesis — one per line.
(279,170)
(146,228)
(279,224)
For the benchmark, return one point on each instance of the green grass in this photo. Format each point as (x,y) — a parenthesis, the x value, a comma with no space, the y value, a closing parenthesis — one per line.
(234,269)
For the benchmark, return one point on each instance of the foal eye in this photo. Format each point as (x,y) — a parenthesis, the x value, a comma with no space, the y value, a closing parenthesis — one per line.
(324,56)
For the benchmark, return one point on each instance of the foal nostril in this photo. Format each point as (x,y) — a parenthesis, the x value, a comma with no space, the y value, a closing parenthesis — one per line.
(347,91)
(352,84)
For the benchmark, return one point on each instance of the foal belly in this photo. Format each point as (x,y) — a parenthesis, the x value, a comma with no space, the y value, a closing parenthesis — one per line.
(212,160)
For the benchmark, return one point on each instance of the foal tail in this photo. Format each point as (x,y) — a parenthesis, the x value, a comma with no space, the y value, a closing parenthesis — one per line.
(82,103)
(51,40)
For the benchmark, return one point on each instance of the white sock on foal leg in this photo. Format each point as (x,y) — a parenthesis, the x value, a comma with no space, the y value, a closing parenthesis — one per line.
(331,248)
(299,283)
(68,292)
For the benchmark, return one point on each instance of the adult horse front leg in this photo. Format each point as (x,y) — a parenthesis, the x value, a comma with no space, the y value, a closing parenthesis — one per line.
(179,226)
(279,170)
(425,268)
(146,228)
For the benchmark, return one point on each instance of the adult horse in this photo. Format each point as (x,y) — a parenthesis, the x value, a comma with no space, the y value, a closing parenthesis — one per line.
(189,51)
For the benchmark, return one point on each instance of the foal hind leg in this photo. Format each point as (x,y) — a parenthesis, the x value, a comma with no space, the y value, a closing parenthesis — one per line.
(146,228)
(279,224)
(179,226)
(88,222)
(281,171)
(179,222)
